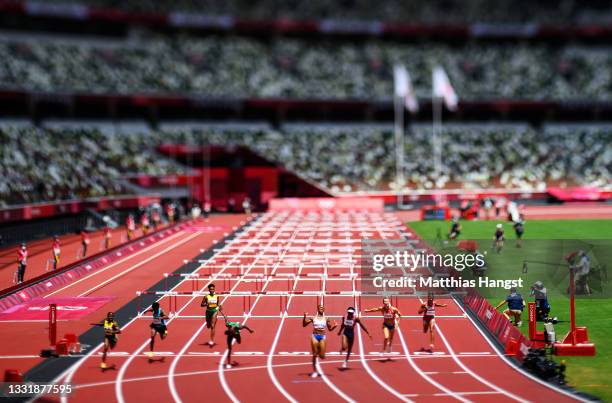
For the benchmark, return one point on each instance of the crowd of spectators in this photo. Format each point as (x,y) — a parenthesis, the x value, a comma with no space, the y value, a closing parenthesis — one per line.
(58,164)
(406,11)
(48,164)
(235,66)
(352,158)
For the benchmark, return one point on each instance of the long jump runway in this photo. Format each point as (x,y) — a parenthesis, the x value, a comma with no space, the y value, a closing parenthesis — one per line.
(273,271)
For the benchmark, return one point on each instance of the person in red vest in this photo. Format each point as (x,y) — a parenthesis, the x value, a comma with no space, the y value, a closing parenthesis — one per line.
(131,226)
(84,243)
(144,223)
(156,218)
(22,261)
(56,252)
(207,208)
(170,213)
(107,237)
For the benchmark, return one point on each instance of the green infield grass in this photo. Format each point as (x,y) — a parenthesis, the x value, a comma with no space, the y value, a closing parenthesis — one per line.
(541,257)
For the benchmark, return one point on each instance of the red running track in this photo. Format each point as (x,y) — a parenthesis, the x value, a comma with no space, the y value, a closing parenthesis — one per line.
(274,363)
(40,254)
(120,280)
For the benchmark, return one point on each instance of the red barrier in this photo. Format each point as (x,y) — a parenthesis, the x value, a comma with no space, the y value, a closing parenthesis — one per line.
(496,323)
(52,324)
(49,281)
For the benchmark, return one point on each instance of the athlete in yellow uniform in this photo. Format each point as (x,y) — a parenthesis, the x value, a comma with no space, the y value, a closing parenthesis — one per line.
(111,330)
(212,302)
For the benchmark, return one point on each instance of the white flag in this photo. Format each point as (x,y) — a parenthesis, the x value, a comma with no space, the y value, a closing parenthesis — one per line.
(403,88)
(442,88)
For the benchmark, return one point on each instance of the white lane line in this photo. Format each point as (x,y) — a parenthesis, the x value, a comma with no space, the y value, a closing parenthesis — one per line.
(124,367)
(132,268)
(511,365)
(68,374)
(425,375)
(472,373)
(373,375)
(147,249)
(269,366)
(199,373)
(261,253)
(173,391)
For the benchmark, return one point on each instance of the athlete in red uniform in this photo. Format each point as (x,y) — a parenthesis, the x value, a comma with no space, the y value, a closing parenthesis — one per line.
(429,317)
(22,261)
(391,316)
(56,252)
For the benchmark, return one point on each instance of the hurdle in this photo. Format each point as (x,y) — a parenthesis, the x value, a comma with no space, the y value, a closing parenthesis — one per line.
(247,304)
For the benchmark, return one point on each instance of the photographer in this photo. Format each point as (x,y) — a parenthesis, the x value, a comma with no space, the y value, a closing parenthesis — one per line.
(540,294)
(516,304)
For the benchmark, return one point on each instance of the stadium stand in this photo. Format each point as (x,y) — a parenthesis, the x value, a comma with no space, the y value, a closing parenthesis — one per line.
(57,164)
(53,163)
(438,11)
(239,66)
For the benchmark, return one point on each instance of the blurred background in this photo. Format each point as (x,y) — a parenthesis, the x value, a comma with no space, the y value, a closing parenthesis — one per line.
(214,102)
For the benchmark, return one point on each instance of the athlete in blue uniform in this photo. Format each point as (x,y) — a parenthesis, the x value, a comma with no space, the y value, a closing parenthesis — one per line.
(158,325)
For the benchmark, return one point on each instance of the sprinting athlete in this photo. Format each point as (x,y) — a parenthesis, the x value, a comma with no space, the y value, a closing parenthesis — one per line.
(498,238)
(111,330)
(158,325)
(347,329)
(233,333)
(391,316)
(212,302)
(321,324)
(429,318)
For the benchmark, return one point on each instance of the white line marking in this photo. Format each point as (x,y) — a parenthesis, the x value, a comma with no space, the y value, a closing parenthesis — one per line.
(132,268)
(115,263)
(373,375)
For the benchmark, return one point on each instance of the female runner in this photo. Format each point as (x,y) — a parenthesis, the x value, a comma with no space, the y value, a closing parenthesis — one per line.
(111,330)
(429,318)
(158,325)
(321,324)
(233,333)
(347,329)
(391,316)
(212,302)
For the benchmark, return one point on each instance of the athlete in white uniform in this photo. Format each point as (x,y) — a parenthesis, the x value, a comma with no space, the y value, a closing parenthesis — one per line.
(321,324)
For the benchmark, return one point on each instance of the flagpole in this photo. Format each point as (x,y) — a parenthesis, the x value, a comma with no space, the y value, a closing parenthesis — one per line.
(399,147)
(437,127)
